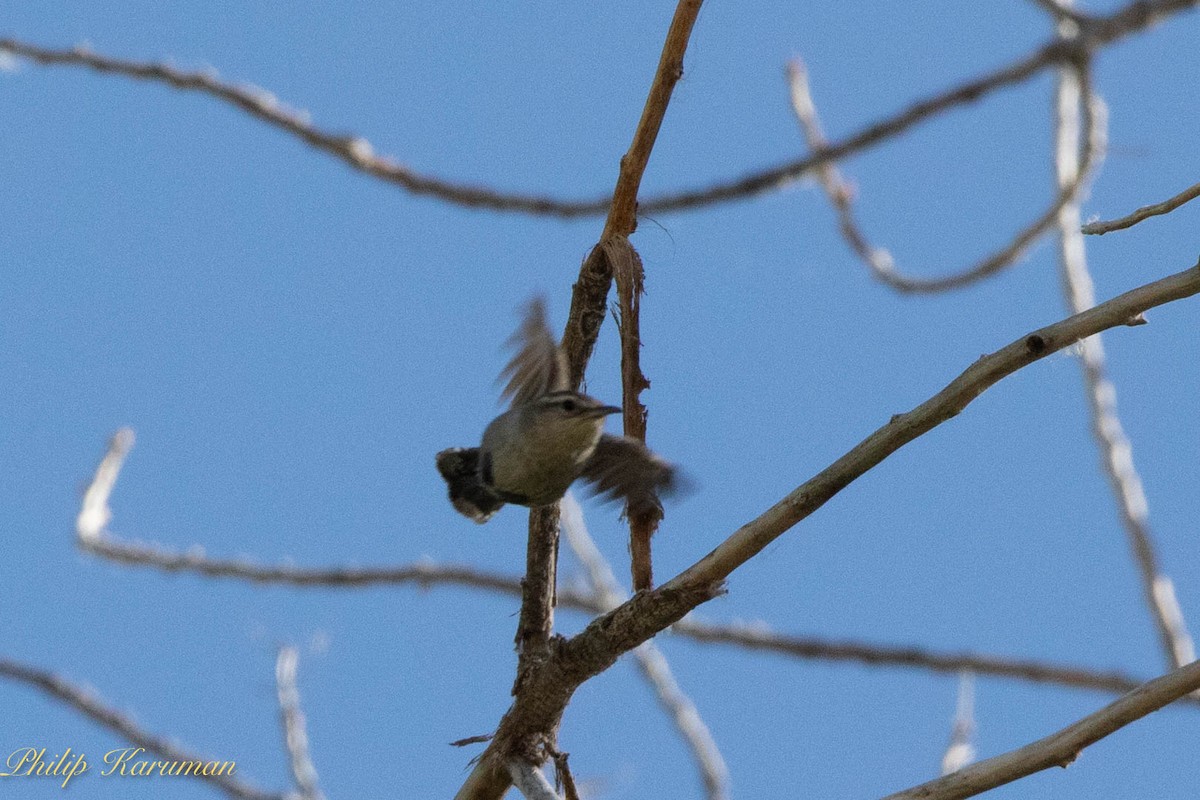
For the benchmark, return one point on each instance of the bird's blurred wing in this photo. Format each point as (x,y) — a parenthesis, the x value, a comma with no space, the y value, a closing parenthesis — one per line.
(539,366)
(624,469)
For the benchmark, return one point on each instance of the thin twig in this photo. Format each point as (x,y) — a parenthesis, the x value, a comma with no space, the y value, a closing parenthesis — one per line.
(530,781)
(564,781)
(354,150)
(880,261)
(759,636)
(1074,96)
(839,192)
(94,708)
(1061,11)
(961,749)
(627,265)
(1101,31)
(650,660)
(1143,213)
(1061,748)
(295,729)
(629,276)
(94,512)
(622,216)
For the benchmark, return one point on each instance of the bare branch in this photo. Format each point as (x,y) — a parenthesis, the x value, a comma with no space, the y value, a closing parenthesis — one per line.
(94,514)
(961,749)
(423,573)
(839,192)
(530,781)
(904,428)
(295,730)
(879,260)
(1060,10)
(537,593)
(1143,213)
(1061,748)
(650,660)
(629,276)
(94,708)
(354,150)
(1073,101)
(622,215)
(357,152)
(758,636)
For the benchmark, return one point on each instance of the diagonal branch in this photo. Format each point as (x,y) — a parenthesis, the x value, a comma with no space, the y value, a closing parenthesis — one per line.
(650,660)
(1144,213)
(903,428)
(1073,103)
(261,104)
(1061,748)
(758,636)
(94,708)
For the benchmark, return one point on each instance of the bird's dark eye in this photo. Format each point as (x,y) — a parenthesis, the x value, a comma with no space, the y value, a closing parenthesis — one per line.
(569,405)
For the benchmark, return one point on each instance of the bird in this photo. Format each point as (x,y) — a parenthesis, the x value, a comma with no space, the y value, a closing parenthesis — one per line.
(550,436)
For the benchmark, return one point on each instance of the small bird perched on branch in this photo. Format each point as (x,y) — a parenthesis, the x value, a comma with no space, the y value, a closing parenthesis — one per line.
(551,436)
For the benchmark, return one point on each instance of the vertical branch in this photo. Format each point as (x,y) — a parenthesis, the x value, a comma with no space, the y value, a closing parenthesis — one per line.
(961,750)
(1077,106)
(537,592)
(629,276)
(295,730)
(627,265)
(622,215)
(589,300)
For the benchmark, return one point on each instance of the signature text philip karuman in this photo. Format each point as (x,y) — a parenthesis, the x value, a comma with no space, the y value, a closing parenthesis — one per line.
(25,762)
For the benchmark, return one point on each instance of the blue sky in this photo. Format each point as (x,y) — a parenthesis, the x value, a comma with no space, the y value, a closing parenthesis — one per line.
(293,341)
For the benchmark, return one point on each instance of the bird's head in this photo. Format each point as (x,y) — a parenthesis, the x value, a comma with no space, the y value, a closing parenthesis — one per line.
(572,419)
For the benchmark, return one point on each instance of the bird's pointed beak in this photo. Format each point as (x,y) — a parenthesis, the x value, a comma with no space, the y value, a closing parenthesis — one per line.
(604,411)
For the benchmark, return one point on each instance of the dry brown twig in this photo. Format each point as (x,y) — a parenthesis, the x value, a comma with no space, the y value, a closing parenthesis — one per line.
(1144,213)
(87,703)
(1077,107)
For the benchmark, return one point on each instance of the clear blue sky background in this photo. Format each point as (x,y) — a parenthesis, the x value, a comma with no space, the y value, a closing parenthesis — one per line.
(293,341)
